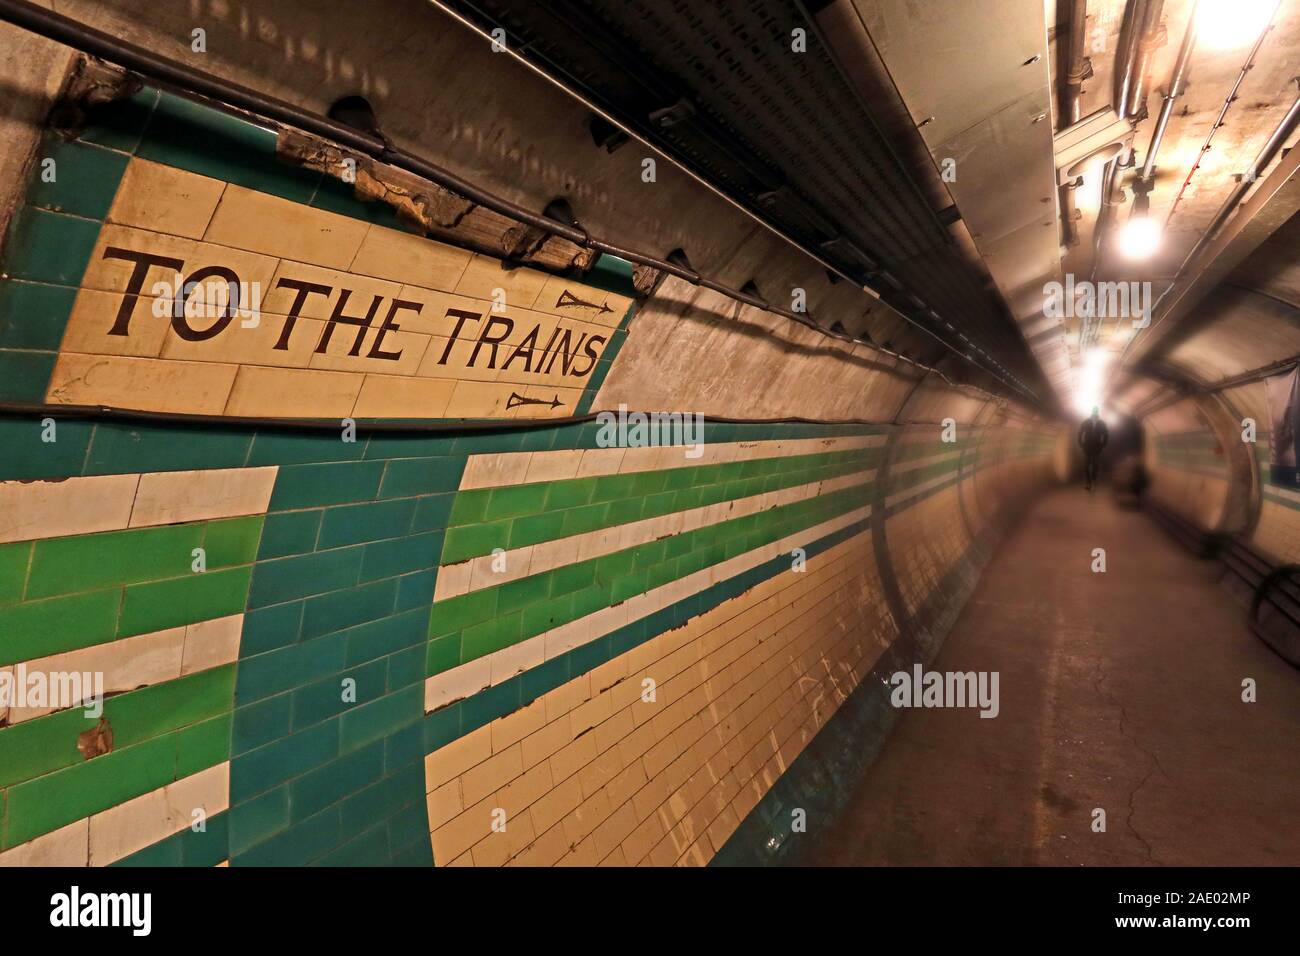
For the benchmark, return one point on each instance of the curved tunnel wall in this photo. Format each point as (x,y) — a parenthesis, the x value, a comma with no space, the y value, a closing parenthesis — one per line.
(356,647)
(1204,470)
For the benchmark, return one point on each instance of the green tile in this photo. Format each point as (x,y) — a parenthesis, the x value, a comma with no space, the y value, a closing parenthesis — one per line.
(188,600)
(125,447)
(324,698)
(258,724)
(56,799)
(348,607)
(232,541)
(24,376)
(154,711)
(432,512)
(290,532)
(454,614)
(213,143)
(278,447)
(386,636)
(421,476)
(34,315)
(481,639)
(40,628)
(287,578)
(401,555)
(471,541)
(569,494)
(260,770)
(512,501)
(310,486)
(533,529)
(28,453)
(285,668)
(328,785)
(118,124)
(204,745)
(49,247)
(371,521)
(377,719)
(14,559)
(256,820)
(443,654)
(85,177)
(34,747)
(82,562)
(470,506)
(525,591)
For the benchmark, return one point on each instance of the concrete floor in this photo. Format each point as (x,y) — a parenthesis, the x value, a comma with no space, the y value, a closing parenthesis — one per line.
(1119,690)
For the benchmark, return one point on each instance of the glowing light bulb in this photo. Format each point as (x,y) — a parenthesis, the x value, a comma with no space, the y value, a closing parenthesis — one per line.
(1139,238)
(1229,24)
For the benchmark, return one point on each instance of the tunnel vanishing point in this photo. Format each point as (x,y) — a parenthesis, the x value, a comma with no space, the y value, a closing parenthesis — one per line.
(441,433)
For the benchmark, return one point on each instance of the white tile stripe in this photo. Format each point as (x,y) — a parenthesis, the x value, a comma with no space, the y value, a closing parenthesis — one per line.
(462,681)
(915,463)
(140,661)
(913,490)
(477,573)
(51,509)
(513,468)
(110,835)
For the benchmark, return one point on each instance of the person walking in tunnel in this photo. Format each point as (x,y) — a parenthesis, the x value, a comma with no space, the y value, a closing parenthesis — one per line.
(1093,436)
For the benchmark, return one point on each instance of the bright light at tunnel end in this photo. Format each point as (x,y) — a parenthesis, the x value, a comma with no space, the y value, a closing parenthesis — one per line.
(1087,393)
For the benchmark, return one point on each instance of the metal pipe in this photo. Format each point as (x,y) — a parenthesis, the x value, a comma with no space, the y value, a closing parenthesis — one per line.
(1272,146)
(1142,66)
(1290,123)
(1076,66)
(224,93)
(1176,84)
(1231,98)
(1070,112)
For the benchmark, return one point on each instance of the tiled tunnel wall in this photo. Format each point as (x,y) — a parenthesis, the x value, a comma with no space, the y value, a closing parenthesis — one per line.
(1204,468)
(467,646)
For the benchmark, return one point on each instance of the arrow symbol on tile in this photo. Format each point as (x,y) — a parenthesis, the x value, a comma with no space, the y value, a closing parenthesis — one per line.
(568,300)
(515,400)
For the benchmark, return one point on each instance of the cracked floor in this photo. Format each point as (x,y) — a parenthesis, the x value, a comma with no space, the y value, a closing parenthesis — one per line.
(1120,691)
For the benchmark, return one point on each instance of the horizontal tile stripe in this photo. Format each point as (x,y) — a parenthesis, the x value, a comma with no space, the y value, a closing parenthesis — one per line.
(56,799)
(495,617)
(141,661)
(478,573)
(528,514)
(85,505)
(463,681)
(110,835)
(511,468)
(48,744)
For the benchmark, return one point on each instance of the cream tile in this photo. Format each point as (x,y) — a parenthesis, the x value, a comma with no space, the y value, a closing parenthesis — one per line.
(66,846)
(152,385)
(212,643)
(53,509)
(272,226)
(393,396)
(484,274)
(402,257)
(457,683)
(293,393)
(569,299)
(165,199)
(171,497)
(94,313)
(125,664)
(142,821)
